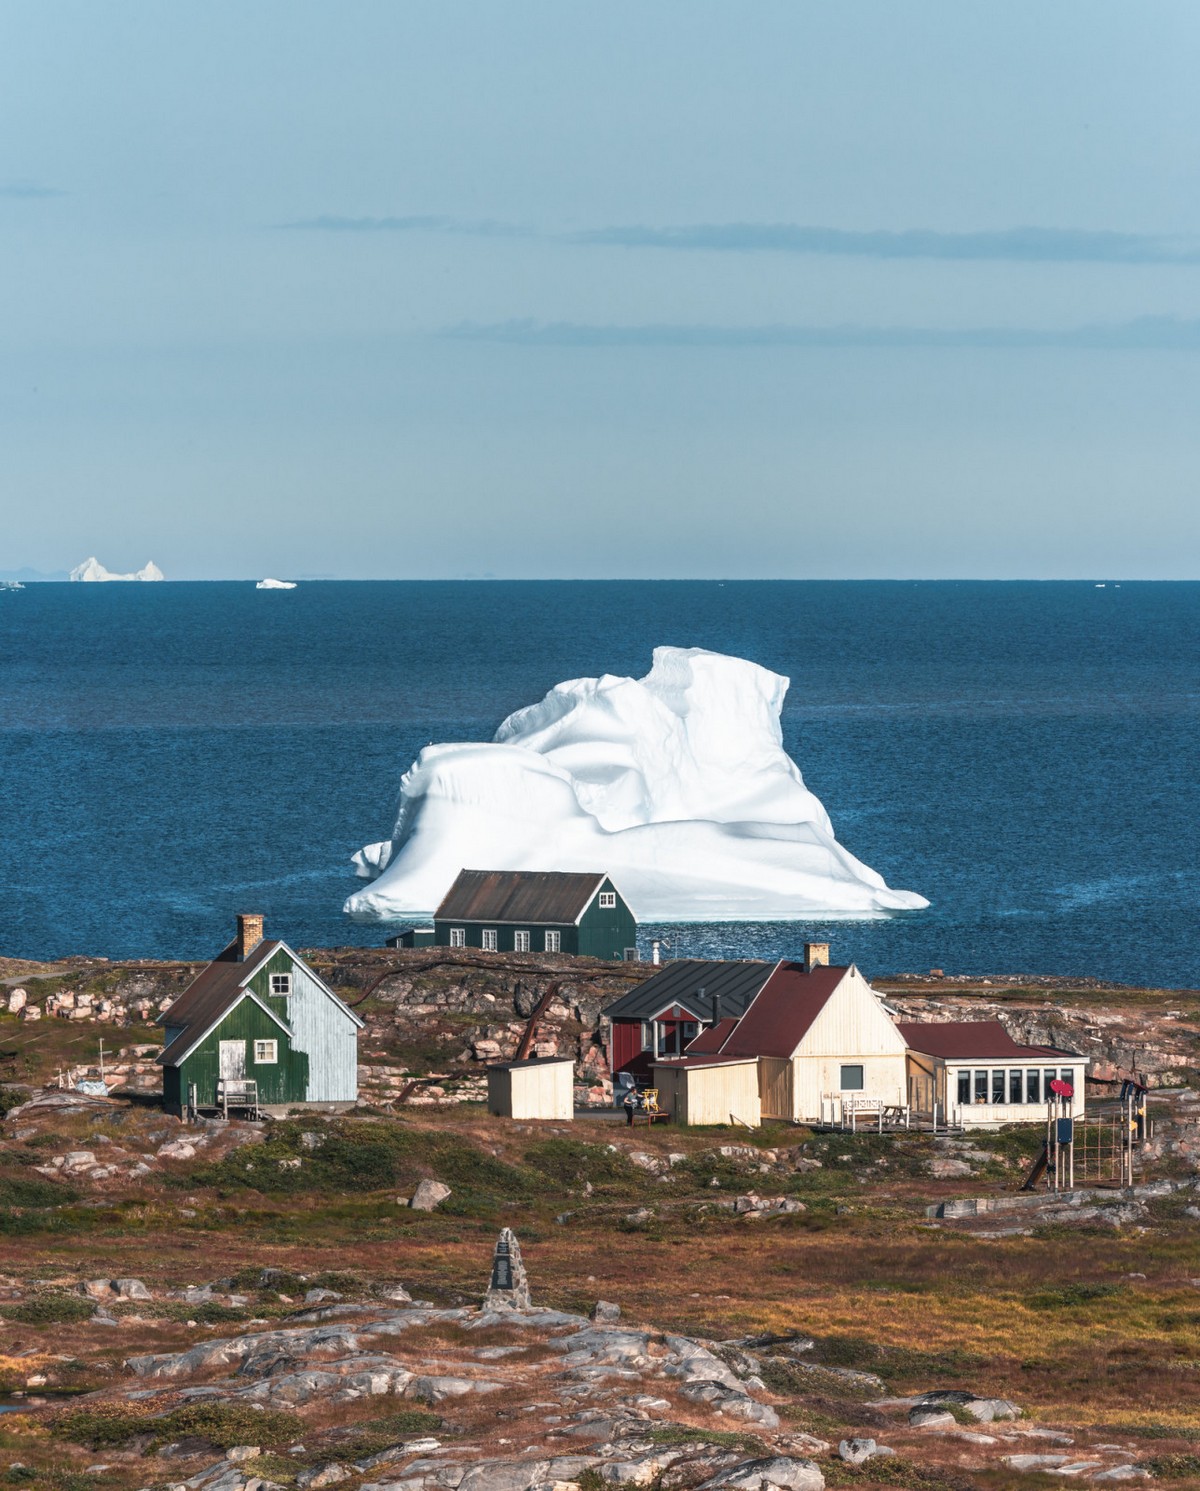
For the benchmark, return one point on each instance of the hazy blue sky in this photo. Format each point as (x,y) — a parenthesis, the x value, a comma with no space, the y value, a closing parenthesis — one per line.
(780,289)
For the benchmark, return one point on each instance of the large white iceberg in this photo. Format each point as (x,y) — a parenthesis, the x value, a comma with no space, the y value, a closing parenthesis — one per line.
(92,569)
(677,785)
(270,584)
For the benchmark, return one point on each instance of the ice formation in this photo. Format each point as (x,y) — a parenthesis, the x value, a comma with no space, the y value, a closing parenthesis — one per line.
(92,569)
(270,584)
(676,785)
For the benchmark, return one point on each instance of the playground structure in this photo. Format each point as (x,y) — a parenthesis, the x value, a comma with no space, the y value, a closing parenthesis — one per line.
(1096,1151)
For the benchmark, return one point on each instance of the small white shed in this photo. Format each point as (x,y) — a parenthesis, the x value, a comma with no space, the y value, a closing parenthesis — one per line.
(541,1087)
(709,1089)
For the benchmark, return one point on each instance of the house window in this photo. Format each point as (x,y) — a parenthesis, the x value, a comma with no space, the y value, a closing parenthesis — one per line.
(998,1085)
(554,942)
(1015,1085)
(608,900)
(281,984)
(852,1079)
(1033,1085)
(964,1086)
(981,1087)
(490,940)
(266,1052)
(690,1031)
(647,1032)
(458,936)
(520,942)
(631,955)
(1068,1075)
(1051,1076)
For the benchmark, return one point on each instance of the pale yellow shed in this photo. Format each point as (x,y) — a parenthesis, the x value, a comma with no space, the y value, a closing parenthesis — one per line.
(709,1089)
(542,1087)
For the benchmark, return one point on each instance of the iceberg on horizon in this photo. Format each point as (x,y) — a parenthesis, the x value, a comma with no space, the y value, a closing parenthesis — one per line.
(677,785)
(92,569)
(269,584)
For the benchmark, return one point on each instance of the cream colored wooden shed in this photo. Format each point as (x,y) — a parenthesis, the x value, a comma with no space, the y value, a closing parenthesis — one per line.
(709,1089)
(542,1087)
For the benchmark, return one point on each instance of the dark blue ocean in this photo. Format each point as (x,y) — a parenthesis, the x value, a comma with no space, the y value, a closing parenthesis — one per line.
(1025,755)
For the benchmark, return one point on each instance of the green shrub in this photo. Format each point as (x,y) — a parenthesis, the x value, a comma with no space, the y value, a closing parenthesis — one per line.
(377,1435)
(221,1424)
(1070,1295)
(1173,1467)
(51,1309)
(17,1190)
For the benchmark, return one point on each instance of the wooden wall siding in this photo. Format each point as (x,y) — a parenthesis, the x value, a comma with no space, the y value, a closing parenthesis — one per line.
(285,1081)
(852,1030)
(543,1091)
(321,1031)
(626,1045)
(884,1080)
(606,933)
(504,935)
(710,1094)
(775,1088)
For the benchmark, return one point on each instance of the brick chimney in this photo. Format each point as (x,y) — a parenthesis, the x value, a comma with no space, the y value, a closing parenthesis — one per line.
(816,955)
(249,933)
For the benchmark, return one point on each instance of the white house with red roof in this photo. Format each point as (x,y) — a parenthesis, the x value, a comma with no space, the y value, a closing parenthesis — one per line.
(980,1077)
(813,1042)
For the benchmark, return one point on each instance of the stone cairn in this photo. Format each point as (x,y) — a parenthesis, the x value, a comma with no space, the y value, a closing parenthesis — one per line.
(509,1288)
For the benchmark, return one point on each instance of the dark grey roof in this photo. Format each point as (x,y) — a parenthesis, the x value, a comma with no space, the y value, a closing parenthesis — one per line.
(678,983)
(519,896)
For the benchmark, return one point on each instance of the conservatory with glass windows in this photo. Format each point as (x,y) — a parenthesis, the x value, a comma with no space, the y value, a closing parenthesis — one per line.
(977,1075)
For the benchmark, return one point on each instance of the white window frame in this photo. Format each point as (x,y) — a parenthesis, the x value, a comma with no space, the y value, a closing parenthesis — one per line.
(852,1066)
(553,942)
(458,936)
(266,1053)
(281,985)
(520,942)
(608,900)
(489,940)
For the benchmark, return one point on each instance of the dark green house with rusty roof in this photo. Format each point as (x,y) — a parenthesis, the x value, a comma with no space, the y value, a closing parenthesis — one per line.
(258,1028)
(536,911)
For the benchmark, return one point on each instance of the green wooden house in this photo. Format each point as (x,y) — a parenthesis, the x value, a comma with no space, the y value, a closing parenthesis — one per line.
(258,1028)
(536,911)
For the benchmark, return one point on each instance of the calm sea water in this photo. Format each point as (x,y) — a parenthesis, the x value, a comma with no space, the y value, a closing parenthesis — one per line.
(1023,754)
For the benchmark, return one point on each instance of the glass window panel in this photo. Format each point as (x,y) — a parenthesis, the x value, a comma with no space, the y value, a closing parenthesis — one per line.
(964,1086)
(981,1087)
(1016,1085)
(852,1079)
(1033,1085)
(998,1085)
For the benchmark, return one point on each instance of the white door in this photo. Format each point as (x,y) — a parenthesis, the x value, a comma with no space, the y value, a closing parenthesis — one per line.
(233,1061)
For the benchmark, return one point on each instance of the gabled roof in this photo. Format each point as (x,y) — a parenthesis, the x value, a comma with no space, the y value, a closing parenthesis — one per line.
(690,1062)
(783,1013)
(691,983)
(216,989)
(971,1040)
(519,896)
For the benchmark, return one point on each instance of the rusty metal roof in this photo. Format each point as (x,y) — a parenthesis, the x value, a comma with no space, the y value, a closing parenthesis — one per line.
(970,1040)
(526,896)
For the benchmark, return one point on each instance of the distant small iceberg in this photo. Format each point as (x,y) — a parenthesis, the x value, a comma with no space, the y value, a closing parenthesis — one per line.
(11,585)
(270,584)
(92,569)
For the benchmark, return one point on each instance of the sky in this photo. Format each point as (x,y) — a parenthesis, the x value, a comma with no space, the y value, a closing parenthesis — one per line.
(667,288)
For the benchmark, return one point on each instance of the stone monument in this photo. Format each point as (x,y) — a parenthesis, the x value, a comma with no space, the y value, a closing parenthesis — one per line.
(509,1289)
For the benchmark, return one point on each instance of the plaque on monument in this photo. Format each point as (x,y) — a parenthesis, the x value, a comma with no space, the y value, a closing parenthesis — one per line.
(509,1288)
